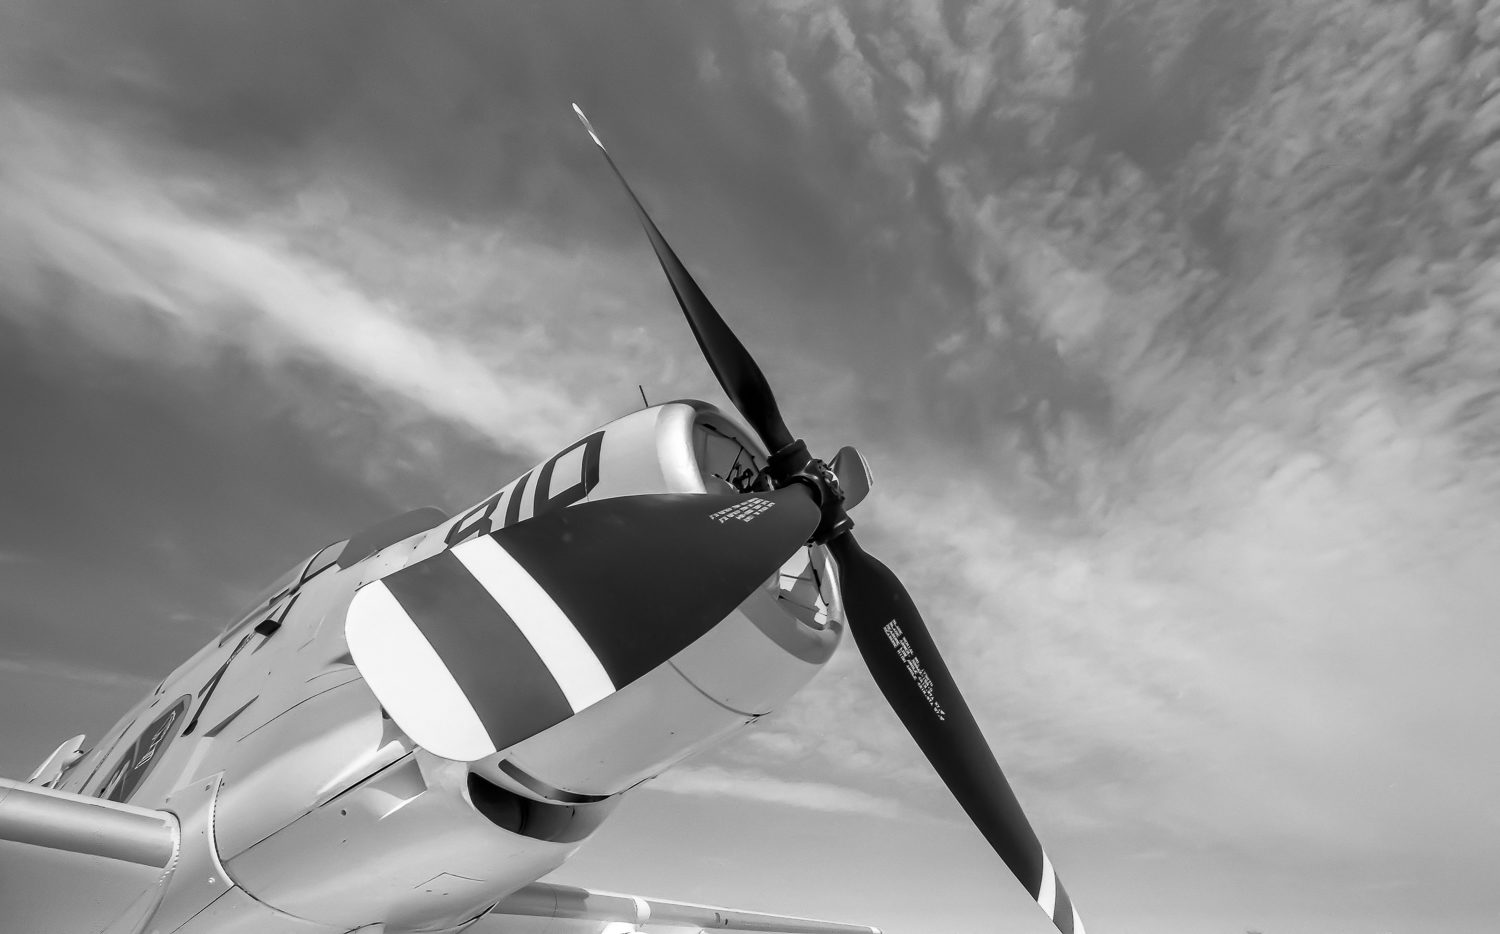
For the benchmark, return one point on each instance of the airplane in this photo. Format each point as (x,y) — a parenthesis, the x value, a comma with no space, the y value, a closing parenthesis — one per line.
(416,724)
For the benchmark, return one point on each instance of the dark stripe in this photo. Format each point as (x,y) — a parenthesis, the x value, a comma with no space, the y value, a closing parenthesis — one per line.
(634,614)
(501,674)
(643,577)
(1063,913)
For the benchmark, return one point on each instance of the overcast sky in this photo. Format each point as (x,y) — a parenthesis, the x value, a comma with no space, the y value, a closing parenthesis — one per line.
(1171,329)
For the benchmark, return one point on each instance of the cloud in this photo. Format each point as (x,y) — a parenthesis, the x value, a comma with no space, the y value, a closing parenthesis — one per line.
(716,782)
(709,71)
(68,671)
(850,76)
(1194,533)
(293,281)
(790,95)
(926,120)
(1178,376)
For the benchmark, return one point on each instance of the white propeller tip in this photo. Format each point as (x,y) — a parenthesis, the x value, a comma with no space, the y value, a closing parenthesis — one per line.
(588,126)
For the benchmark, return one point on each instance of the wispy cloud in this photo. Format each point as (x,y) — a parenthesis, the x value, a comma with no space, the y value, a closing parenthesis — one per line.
(718,782)
(53,669)
(787,90)
(1185,531)
(453,333)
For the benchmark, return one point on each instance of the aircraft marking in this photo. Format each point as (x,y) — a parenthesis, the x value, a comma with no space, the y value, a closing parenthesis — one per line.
(562,649)
(914,667)
(386,638)
(1046,896)
(480,519)
(745,511)
(513,508)
(144,753)
(500,673)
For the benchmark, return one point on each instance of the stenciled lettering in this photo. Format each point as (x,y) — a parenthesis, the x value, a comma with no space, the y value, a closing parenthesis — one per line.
(919,675)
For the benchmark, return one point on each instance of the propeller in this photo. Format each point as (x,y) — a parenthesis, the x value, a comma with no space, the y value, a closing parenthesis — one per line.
(736,370)
(888,631)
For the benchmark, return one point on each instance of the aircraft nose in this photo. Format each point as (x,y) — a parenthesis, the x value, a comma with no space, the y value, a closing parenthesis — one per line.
(501,637)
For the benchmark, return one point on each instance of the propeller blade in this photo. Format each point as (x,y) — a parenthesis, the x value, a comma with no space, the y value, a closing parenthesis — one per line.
(736,370)
(911,674)
(481,646)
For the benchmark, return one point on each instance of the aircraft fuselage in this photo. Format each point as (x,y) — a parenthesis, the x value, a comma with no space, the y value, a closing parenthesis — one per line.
(315,811)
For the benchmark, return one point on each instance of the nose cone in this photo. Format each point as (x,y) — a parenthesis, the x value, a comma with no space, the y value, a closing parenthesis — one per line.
(482,646)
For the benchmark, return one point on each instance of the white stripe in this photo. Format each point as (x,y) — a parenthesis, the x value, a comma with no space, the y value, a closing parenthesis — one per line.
(1077,922)
(562,649)
(409,678)
(1047,897)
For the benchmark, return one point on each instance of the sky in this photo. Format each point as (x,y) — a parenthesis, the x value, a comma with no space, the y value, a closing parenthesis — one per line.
(1171,329)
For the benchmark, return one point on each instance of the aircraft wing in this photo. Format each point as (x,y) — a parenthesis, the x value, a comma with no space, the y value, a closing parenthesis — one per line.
(545,908)
(70,864)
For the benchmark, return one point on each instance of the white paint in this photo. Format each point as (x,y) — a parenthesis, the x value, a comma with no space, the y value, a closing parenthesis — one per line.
(562,649)
(526,507)
(409,678)
(588,126)
(1077,922)
(1047,896)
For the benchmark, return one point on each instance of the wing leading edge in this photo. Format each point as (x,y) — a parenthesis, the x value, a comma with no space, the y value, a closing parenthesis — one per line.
(544,900)
(71,864)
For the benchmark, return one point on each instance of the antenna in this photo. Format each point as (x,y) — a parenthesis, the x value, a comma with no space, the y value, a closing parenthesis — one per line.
(643,395)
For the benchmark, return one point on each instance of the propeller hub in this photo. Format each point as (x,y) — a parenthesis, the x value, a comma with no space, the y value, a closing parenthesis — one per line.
(795,464)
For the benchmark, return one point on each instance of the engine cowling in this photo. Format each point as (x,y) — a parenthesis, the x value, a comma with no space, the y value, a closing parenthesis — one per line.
(755,658)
